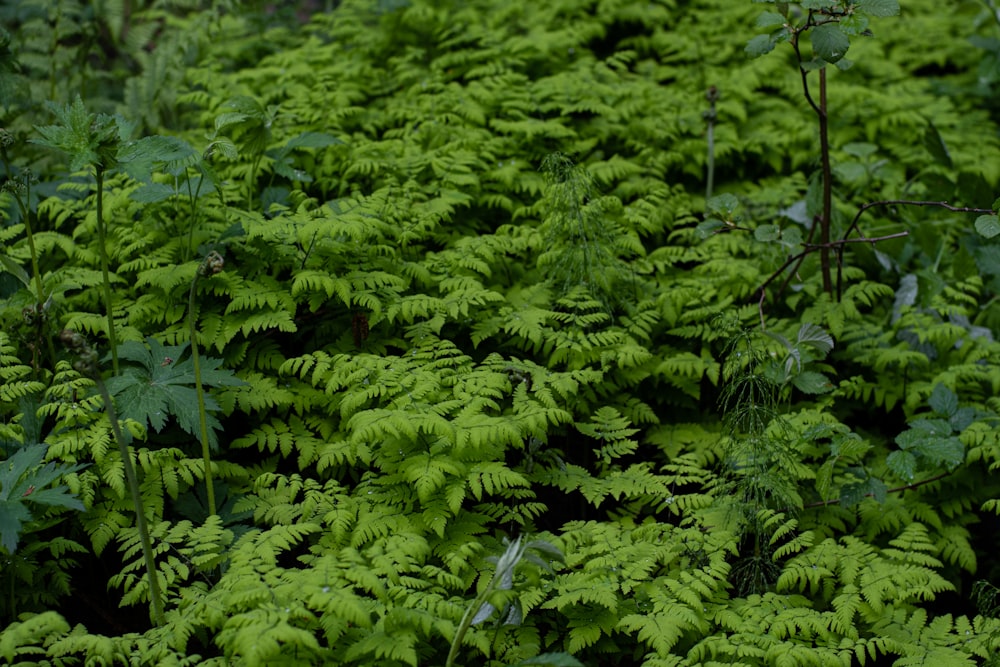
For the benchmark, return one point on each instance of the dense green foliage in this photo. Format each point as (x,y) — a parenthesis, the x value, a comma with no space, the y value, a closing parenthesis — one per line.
(469,331)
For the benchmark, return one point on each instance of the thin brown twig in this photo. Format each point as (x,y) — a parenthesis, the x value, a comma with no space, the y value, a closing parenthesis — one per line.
(898,489)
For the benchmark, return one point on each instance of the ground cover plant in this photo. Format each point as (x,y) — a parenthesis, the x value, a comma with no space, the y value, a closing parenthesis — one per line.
(428,332)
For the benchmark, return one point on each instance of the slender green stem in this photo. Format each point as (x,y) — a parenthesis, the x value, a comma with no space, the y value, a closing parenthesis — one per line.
(102,242)
(466,622)
(200,391)
(155,600)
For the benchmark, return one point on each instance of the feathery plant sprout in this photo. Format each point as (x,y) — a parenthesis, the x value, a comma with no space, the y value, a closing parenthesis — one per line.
(91,141)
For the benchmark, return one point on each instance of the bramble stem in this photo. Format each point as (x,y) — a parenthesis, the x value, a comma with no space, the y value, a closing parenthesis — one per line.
(825,221)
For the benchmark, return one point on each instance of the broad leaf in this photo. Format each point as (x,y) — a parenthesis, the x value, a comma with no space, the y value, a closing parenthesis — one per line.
(829,42)
(163,386)
(759,45)
(811,382)
(943,401)
(879,7)
(988,226)
(767,233)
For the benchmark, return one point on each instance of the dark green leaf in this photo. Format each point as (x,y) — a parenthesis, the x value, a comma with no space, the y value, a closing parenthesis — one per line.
(13,515)
(814,336)
(811,382)
(988,226)
(854,24)
(860,149)
(791,237)
(902,464)
(723,205)
(829,42)
(150,193)
(852,494)
(709,227)
(759,45)
(767,233)
(879,7)
(770,20)
(13,268)
(162,386)
(943,400)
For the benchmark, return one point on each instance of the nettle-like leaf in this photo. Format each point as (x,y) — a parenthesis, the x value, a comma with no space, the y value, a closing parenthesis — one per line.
(88,139)
(22,481)
(163,385)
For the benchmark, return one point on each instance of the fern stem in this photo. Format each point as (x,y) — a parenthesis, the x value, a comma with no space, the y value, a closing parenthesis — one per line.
(199,389)
(102,242)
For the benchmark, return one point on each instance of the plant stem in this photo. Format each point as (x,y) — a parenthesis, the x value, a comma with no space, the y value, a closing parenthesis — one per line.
(88,365)
(140,515)
(466,622)
(102,242)
(200,391)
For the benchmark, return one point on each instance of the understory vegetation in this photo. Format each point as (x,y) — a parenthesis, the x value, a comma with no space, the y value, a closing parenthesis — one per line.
(451,332)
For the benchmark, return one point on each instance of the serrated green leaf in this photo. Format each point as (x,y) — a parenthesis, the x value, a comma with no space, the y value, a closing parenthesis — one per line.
(878,8)
(860,149)
(163,386)
(767,233)
(850,172)
(811,382)
(723,205)
(791,237)
(13,515)
(709,227)
(816,337)
(829,42)
(943,400)
(759,46)
(770,20)
(988,226)
(854,24)
(852,494)
(902,464)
